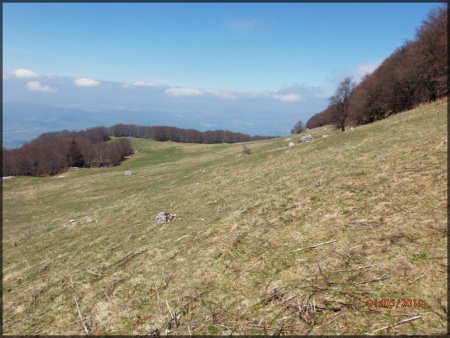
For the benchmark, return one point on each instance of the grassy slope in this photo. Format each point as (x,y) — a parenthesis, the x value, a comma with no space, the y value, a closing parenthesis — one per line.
(229,264)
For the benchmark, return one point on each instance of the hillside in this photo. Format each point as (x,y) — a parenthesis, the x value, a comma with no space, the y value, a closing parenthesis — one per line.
(86,244)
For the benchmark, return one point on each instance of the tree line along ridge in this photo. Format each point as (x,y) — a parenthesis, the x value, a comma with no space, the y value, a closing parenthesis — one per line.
(54,152)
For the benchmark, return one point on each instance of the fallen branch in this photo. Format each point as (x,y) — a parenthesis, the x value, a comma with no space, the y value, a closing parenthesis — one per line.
(345,255)
(329,321)
(315,245)
(93,273)
(408,320)
(288,299)
(356,246)
(129,256)
(333,319)
(373,280)
(81,317)
(171,313)
(355,269)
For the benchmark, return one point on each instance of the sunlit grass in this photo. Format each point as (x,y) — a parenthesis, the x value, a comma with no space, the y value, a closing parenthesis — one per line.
(229,263)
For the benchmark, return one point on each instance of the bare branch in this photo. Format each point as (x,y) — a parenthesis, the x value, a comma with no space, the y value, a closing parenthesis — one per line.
(315,245)
(408,320)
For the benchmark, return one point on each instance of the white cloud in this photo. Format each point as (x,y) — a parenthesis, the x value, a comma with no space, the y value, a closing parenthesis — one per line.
(297,92)
(85,82)
(183,91)
(287,97)
(36,86)
(221,94)
(144,84)
(25,73)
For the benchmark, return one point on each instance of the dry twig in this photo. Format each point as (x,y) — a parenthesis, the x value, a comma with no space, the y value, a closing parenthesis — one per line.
(316,245)
(355,269)
(170,312)
(93,273)
(80,315)
(373,280)
(407,320)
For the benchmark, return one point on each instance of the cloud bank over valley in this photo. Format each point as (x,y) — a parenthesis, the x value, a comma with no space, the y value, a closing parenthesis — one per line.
(147,102)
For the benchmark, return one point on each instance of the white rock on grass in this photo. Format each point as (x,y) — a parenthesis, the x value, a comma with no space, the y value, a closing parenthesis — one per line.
(290,144)
(306,138)
(127,173)
(165,217)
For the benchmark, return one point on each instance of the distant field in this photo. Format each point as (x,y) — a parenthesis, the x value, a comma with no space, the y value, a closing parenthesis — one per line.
(83,253)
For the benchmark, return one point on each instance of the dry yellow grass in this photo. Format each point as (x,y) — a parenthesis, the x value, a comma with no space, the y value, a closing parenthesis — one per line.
(375,195)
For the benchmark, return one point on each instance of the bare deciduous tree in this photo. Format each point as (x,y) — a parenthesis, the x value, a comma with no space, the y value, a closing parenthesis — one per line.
(341,102)
(298,127)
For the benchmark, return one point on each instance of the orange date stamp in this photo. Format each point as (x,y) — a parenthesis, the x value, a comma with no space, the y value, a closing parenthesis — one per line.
(395,303)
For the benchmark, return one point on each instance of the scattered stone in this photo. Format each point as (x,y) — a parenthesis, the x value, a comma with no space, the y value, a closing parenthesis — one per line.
(288,139)
(290,144)
(165,217)
(325,136)
(445,141)
(127,173)
(246,150)
(8,177)
(60,176)
(324,129)
(306,138)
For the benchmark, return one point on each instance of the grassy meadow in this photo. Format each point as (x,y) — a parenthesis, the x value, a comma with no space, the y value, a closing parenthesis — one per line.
(82,252)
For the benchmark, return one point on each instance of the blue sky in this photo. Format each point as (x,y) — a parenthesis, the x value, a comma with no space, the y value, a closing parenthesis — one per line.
(294,52)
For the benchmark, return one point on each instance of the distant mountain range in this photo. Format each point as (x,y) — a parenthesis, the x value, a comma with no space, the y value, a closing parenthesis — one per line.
(24,121)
